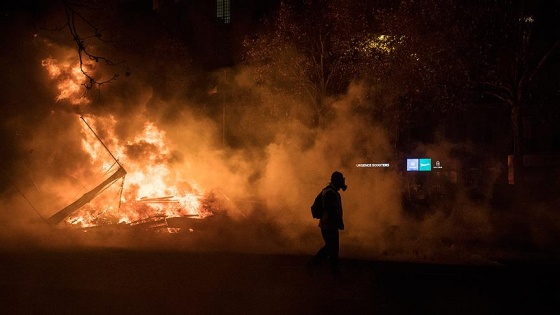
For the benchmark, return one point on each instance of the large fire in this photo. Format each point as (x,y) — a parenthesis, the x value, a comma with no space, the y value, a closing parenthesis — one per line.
(150,189)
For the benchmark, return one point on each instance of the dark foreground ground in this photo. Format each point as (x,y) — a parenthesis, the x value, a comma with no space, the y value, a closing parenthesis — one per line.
(117,281)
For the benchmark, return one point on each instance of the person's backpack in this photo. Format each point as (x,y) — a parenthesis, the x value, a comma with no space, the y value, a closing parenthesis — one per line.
(317,206)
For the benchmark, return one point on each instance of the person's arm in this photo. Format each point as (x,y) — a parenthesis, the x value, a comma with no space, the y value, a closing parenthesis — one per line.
(331,208)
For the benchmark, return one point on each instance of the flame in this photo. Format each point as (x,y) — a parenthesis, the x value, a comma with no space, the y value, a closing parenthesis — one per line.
(68,77)
(150,189)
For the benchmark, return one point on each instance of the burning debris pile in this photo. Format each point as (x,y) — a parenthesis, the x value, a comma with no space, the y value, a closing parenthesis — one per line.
(144,197)
(135,185)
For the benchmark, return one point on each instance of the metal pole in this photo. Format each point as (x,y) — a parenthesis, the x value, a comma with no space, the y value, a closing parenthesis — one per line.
(23,195)
(103,144)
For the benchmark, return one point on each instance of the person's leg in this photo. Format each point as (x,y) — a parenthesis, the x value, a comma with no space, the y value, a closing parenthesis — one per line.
(332,241)
(322,254)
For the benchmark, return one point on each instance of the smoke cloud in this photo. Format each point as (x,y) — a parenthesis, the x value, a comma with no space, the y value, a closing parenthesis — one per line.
(255,149)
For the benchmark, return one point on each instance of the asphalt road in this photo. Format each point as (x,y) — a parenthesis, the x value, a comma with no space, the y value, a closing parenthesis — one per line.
(125,281)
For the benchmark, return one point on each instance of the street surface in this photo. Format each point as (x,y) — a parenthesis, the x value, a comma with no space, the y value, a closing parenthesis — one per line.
(125,281)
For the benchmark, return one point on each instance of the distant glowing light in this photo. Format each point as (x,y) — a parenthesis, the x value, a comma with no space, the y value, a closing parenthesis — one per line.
(382,43)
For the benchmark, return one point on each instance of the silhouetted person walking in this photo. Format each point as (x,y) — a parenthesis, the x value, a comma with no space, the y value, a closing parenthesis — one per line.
(330,222)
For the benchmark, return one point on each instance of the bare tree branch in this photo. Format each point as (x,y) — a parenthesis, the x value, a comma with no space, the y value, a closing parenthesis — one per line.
(73,18)
(554,49)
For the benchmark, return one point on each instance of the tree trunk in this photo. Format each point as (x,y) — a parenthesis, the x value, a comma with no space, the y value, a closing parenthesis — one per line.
(518,144)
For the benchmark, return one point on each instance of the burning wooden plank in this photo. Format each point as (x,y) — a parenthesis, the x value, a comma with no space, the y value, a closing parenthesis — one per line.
(86,198)
(166,199)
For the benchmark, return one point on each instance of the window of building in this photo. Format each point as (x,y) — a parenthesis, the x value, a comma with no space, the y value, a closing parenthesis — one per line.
(223,10)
